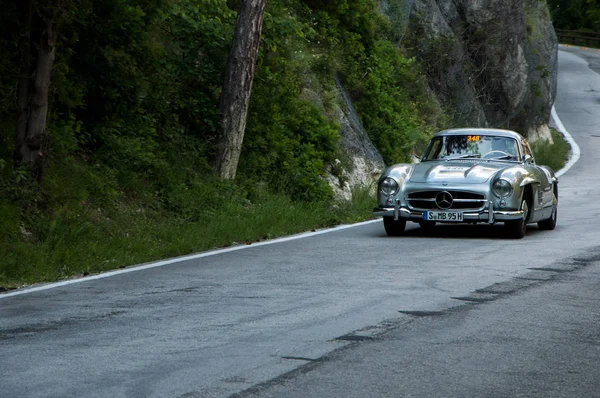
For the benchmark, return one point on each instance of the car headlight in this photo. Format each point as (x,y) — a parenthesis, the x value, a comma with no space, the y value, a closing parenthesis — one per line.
(502,188)
(389,186)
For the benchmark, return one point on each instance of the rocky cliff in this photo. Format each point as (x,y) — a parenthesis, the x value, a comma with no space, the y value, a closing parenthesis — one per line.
(362,164)
(493,62)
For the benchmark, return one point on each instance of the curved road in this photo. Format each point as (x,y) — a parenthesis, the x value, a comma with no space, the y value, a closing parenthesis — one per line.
(312,316)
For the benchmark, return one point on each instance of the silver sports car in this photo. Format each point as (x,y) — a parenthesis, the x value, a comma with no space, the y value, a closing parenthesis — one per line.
(470,176)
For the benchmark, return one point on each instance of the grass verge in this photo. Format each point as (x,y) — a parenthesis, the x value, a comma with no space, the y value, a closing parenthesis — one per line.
(75,241)
(553,155)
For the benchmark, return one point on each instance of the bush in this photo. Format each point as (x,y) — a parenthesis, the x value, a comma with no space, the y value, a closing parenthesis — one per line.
(553,155)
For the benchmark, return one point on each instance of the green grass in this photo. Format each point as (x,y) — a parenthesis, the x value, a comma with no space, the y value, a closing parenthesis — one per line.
(80,240)
(553,155)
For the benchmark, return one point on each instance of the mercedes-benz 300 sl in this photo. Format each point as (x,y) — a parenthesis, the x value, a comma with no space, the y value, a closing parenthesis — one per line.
(470,175)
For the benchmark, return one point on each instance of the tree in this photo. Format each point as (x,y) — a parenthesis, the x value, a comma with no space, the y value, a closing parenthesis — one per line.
(237,88)
(34,79)
(575,14)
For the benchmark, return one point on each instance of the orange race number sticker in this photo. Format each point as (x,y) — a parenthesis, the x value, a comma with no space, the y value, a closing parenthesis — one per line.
(473,138)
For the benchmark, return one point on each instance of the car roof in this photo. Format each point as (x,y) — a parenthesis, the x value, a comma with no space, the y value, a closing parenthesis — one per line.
(480,131)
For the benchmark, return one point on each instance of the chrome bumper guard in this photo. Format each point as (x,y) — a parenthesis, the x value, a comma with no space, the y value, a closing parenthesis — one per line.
(485,215)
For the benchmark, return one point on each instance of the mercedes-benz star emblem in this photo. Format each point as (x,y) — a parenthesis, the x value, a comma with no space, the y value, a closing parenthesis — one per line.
(444,200)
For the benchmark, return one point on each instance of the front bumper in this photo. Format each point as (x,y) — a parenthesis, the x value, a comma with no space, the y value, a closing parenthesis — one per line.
(485,215)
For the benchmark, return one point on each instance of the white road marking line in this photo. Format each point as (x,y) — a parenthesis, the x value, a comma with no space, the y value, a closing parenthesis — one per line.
(575,151)
(162,263)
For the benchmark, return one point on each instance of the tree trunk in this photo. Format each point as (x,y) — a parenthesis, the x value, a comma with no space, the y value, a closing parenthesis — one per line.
(33,99)
(238,85)
(23,83)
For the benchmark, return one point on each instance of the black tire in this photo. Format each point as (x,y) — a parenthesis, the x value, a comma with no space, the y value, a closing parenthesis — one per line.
(394,227)
(427,225)
(550,223)
(516,228)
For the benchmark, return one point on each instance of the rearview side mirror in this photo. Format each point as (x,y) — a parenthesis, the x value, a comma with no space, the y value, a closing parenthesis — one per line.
(528,159)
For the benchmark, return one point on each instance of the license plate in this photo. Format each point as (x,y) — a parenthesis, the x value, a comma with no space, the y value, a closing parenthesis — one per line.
(451,216)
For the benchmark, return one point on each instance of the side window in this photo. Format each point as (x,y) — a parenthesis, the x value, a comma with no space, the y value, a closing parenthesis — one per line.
(434,150)
(526,149)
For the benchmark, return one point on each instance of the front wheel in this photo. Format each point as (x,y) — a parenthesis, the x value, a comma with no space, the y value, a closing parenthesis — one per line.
(394,227)
(516,228)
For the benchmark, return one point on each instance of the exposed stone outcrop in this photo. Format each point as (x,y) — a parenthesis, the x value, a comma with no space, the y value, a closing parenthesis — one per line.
(493,62)
(362,163)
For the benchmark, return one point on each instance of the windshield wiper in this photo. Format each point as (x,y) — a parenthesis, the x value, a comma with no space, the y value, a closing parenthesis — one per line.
(465,156)
(503,157)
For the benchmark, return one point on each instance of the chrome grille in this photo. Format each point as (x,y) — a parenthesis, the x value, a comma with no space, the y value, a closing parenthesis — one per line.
(462,200)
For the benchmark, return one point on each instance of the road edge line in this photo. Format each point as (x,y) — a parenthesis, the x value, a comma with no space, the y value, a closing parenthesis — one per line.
(575,150)
(162,263)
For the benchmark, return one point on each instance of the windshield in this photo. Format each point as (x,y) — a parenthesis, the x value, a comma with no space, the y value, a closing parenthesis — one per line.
(472,146)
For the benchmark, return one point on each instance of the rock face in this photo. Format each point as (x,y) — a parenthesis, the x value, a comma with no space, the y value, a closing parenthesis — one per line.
(493,62)
(362,163)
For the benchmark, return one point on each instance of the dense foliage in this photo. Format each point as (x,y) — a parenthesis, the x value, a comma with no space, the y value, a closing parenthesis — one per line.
(133,118)
(575,14)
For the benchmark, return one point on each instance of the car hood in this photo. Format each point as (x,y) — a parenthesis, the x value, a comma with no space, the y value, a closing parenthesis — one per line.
(455,172)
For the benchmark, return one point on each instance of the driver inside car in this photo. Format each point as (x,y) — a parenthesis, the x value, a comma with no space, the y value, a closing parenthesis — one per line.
(506,145)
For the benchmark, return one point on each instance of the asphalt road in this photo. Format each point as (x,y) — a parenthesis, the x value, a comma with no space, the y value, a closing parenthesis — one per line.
(460,311)
(540,340)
